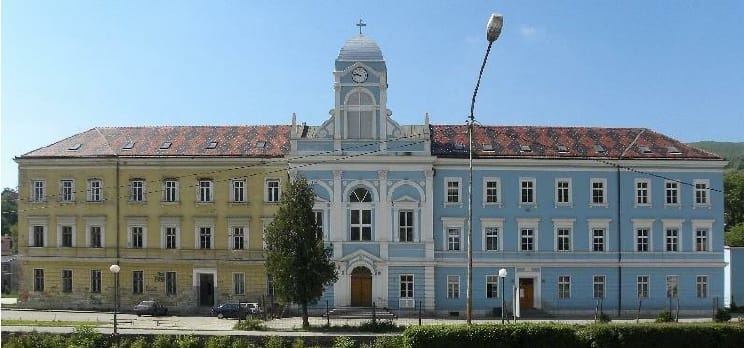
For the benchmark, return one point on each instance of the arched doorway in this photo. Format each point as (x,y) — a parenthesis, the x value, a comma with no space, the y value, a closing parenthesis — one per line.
(361,287)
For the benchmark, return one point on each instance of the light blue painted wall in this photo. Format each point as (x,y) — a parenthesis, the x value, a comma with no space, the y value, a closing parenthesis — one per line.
(419,283)
(737,275)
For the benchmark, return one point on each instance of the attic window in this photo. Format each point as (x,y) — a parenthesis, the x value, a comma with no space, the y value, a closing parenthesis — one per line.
(644,149)
(128,146)
(75,147)
(562,149)
(212,145)
(525,148)
(261,144)
(599,149)
(674,150)
(166,145)
(487,147)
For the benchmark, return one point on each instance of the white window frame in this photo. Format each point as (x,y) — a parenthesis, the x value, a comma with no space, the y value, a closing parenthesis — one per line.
(198,225)
(531,190)
(137,190)
(130,236)
(453,287)
(528,224)
(447,181)
(603,191)
(706,225)
(238,283)
(170,190)
(38,191)
(672,224)
(99,222)
(640,191)
(34,222)
(703,192)
(492,285)
(238,192)
(603,224)
(486,195)
(67,190)
(452,222)
(701,286)
(407,292)
(646,224)
(205,190)
(165,224)
(66,221)
(272,194)
(360,209)
(232,224)
(364,112)
(676,193)
(96,280)
(563,224)
(672,286)
(410,226)
(599,280)
(94,192)
(563,286)
(490,223)
(643,285)
(569,192)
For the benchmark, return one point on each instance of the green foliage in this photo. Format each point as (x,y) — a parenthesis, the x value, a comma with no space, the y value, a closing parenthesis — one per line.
(387,342)
(251,324)
(163,341)
(188,341)
(721,316)
(735,235)
(85,336)
(604,318)
(665,317)
(218,342)
(298,343)
(519,335)
(367,326)
(274,342)
(300,263)
(138,342)
(343,342)
(9,215)
(733,186)
(732,152)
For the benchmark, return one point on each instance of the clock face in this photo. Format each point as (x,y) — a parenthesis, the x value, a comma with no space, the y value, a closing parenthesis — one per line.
(359,75)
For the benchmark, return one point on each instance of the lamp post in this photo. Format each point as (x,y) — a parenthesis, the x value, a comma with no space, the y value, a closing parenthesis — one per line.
(493,30)
(502,275)
(115,270)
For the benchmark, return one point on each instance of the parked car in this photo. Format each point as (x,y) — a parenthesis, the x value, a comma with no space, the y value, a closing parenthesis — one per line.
(151,307)
(230,310)
(251,308)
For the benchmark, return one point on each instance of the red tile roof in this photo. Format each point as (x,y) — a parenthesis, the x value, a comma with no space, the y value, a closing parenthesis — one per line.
(232,141)
(544,142)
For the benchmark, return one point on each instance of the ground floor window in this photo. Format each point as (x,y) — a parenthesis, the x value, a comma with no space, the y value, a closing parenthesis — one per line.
(453,286)
(67,280)
(642,285)
(170,283)
(138,282)
(38,279)
(492,286)
(95,281)
(599,286)
(239,283)
(406,286)
(702,286)
(564,286)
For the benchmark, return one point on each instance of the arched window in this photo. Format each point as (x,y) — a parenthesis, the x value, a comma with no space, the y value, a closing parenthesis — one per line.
(360,115)
(360,194)
(360,226)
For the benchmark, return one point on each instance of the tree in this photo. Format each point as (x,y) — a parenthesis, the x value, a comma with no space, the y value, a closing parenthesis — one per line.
(735,236)
(733,186)
(10,214)
(296,257)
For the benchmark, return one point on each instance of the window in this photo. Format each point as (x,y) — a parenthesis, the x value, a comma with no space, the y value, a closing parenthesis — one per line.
(66,190)
(598,239)
(672,239)
(318,217)
(237,189)
(563,239)
(701,239)
(453,286)
(563,191)
(527,239)
(170,283)
(671,193)
(453,190)
(492,286)
(38,279)
(405,225)
(170,190)
(598,192)
(95,190)
(205,190)
(238,237)
(137,237)
(38,236)
(38,193)
(453,238)
(239,283)
(527,190)
(492,238)
(67,280)
(642,286)
(643,193)
(492,188)
(205,237)
(672,286)
(359,115)
(361,224)
(701,192)
(642,239)
(599,286)
(564,286)
(67,236)
(171,237)
(701,286)
(137,190)
(406,286)
(95,237)
(272,191)
(138,282)
(95,281)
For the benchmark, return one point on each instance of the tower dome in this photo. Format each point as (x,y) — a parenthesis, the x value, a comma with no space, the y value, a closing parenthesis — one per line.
(360,49)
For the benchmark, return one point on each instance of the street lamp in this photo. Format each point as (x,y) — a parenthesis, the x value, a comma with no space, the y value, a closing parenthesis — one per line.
(115,270)
(502,275)
(493,30)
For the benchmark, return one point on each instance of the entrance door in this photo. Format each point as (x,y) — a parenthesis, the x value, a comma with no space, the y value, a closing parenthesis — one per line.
(526,293)
(206,289)
(361,287)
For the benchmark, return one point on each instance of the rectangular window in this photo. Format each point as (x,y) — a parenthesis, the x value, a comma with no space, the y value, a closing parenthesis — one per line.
(238,190)
(701,239)
(38,236)
(453,238)
(95,190)
(453,191)
(171,237)
(137,190)
(238,235)
(205,237)
(95,237)
(170,283)
(453,286)
(406,286)
(492,238)
(272,191)
(492,286)
(598,192)
(672,286)
(171,190)
(701,286)
(205,190)
(671,193)
(361,224)
(563,191)
(527,239)
(405,225)
(599,286)
(318,214)
(642,239)
(138,235)
(95,281)
(39,191)
(67,280)
(563,242)
(38,279)
(672,239)
(138,282)
(527,190)
(598,239)
(701,192)
(239,283)
(493,191)
(564,286)
(642,286)
(67,236)
(643,192)
(67,190)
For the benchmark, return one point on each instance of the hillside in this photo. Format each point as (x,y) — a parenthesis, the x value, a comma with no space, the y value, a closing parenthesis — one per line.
(733,152)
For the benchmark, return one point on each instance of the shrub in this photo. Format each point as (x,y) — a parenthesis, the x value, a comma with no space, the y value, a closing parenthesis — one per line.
(519,335)
(664,317)
(218,342)
(274,342)
(343,342)
(188,341)
(85,336)
(250,325)
(388,342)
(139,342)
(162,341)
(603,318)
(721,315)
(298,343)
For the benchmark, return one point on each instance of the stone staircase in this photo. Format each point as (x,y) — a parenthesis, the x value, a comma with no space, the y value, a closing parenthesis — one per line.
(361,313)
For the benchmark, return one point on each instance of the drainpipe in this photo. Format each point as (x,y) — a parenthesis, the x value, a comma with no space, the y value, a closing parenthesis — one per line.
(118,219)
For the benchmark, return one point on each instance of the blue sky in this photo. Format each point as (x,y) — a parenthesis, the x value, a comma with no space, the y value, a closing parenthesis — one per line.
(676,67)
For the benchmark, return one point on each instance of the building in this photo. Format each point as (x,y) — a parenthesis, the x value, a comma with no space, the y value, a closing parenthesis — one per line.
(581,218)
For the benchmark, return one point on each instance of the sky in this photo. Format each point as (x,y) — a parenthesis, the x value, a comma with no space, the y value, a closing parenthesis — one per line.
(676,67)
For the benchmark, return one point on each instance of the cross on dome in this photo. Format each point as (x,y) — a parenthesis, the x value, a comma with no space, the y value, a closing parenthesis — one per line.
(360,25)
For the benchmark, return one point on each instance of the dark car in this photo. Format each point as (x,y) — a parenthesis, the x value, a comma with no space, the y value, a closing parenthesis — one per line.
(150,307)
(230,310)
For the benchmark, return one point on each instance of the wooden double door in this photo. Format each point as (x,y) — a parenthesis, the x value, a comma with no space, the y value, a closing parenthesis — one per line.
(526,293)
(361,287)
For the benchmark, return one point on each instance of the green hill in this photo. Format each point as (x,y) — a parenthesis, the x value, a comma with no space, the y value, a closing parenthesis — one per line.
(732,152)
